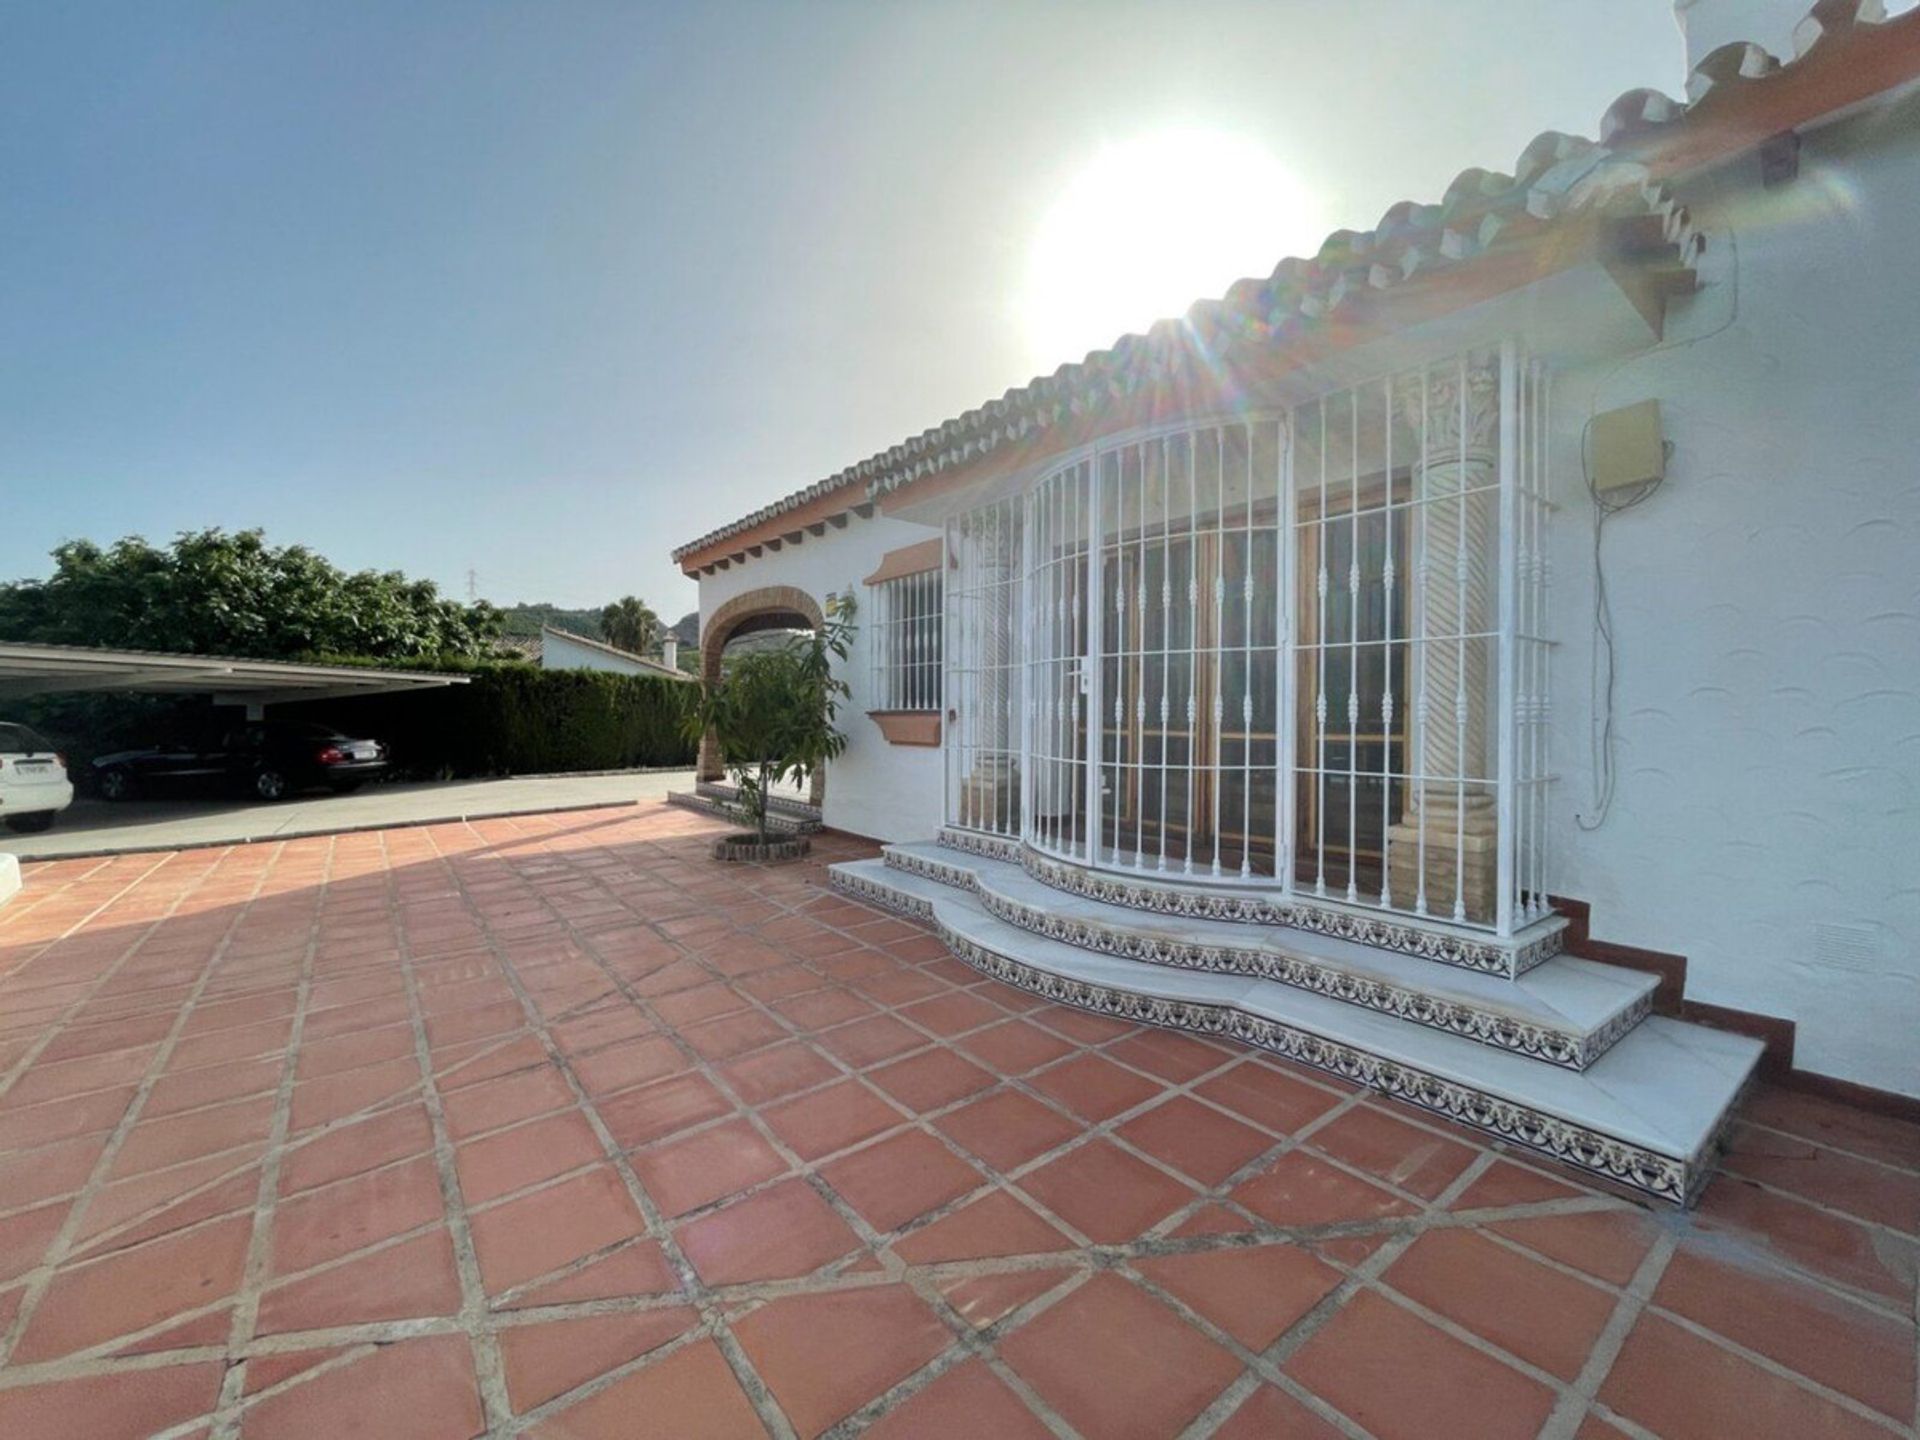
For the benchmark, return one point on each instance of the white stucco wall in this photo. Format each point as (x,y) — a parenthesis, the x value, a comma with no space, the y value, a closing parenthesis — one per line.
(890,792)
(1767,608)
(557,652)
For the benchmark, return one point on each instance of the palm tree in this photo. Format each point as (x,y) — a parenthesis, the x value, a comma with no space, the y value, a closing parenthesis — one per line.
(629,625)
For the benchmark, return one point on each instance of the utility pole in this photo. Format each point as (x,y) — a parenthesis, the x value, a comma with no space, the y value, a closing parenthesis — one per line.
(473,585)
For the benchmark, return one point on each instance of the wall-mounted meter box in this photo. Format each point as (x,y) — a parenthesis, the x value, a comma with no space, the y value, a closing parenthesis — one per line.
(1627,447)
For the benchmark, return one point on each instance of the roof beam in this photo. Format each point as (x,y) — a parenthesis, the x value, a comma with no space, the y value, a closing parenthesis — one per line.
(117,680)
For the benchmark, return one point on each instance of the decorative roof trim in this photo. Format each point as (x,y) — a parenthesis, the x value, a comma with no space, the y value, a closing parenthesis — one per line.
(1845,51)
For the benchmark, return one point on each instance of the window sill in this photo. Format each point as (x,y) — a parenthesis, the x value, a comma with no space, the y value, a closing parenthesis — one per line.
(908,727)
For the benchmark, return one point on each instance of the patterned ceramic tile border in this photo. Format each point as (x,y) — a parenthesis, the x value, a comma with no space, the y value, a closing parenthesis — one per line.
(1660,1176)
(728,811)
(1565,1048)
(1398,933)
(779,804)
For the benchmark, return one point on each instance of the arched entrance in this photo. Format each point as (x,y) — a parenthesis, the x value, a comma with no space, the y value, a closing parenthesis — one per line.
(773,607)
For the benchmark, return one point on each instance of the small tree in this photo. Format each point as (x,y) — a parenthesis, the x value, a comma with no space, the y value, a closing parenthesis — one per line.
(772,713)
(629,624)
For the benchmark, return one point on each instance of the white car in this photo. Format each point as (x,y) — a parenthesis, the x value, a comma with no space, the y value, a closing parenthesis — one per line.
(33,779)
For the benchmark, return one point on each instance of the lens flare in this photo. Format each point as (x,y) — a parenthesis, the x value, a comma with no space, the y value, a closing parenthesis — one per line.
(1151,224)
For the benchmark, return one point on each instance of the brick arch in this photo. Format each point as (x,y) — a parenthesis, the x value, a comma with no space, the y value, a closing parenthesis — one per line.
(724,624)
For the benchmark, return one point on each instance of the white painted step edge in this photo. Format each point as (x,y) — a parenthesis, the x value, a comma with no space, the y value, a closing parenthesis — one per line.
(1648,1117)
(1565,1012)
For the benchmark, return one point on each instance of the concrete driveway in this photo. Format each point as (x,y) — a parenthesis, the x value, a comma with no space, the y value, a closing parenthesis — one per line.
(93,827)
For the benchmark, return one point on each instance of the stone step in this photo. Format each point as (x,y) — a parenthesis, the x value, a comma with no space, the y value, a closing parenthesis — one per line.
(1646,1116)
(1564,1011)
(778,822)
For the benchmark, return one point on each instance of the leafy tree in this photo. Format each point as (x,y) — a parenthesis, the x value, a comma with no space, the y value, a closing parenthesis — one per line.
(528,618)
(218,593)
(630,625)
(773,712)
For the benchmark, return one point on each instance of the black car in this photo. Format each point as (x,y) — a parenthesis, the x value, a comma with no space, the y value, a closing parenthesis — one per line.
(268,759)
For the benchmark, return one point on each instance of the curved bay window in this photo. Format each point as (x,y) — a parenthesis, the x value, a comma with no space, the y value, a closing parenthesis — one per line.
(1303,650)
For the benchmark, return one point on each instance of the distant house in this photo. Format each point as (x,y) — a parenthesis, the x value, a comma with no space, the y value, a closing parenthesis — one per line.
(556,649)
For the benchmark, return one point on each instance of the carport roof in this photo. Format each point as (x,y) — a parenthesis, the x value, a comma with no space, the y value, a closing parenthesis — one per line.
(47,669)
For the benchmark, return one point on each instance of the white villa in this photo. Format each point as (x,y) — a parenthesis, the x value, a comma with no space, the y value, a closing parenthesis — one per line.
(1332,668)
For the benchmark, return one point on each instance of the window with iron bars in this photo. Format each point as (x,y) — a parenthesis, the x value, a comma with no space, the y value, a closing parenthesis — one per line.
(906,642)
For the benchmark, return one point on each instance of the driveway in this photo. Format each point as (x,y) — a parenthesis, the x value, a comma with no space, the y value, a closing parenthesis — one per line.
(555,1126)
(93,827)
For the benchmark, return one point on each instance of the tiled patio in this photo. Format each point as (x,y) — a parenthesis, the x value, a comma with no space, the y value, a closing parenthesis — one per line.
(552,1124)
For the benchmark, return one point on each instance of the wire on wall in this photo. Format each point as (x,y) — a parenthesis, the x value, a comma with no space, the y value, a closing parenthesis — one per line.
(1604,678)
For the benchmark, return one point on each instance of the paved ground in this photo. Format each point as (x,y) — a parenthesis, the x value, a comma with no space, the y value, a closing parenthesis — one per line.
(93,826)
(553,1124)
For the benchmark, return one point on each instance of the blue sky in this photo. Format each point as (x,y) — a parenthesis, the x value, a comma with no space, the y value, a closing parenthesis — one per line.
(541,290)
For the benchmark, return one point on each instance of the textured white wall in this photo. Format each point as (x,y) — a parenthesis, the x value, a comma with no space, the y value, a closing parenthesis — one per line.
(559,653)
(891,792)
(1767,605)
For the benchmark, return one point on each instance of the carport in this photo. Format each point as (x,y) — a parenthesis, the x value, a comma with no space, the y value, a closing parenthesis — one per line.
(255,684)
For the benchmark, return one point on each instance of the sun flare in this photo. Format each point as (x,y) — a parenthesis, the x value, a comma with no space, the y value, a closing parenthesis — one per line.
(1151,224)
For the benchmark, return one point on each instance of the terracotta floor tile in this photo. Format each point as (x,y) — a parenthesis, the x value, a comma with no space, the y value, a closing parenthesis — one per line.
(130,1290)
(424,1389)
(69,1078)
(1256,1295)
(191,1089)
(1015,1047)
(1686,1388)
(1079,1026)
(1504,1183)
(953,1013)
(1195,1139)
(1267,1097)
(1609,1244)
(1300,1189)
(619,1067)
(1402,1154)
(1863,1188)
(967,1402)
(1845,1346)
(400,1282)
(819,1009)
(334,1097)
(696,1170)
(1877,1137)
(356,1147)
(55,1120)
(350,1052)
(1105,1193)
(335,1220)
(832,1119)
(526,1237)
(174,1138)
(1527,1309)
(984,1300)
(638,1269)
(546,1360)
(1008,1129)
(783,1231)
(126,1406)
(162,1201)
(690,1395)
(1376,1362)
(639,1117)
(1270,1413)
(777,1071)
(480,1108)
(825,1356)
(996,1224)
(900,1178)
(24,1237)
(1177,1058)
(1795,1233)
(1093,1087)
(932,1080)
(509,1160)
(734,1035)
(1115,1361)
(49,1171)
(868,1042)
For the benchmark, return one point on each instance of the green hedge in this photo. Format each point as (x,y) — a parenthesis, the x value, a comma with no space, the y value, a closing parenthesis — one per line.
(511,718)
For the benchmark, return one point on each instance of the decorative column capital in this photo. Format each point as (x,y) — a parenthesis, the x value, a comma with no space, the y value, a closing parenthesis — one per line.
(1478,382)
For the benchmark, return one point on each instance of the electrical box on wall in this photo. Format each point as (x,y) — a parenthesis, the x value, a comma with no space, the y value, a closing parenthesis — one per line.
(1628,448)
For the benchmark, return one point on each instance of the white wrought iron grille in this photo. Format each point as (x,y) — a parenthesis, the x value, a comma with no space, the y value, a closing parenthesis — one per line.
(985,665)
(1307,650)
(906,630)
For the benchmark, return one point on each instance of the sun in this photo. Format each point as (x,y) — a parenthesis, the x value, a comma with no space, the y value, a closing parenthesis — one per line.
(1151,224)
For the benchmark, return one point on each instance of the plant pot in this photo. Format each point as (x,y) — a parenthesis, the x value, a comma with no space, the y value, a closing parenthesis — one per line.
(749,847)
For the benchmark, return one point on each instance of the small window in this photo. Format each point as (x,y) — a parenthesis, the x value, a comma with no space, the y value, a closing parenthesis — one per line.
(906,642)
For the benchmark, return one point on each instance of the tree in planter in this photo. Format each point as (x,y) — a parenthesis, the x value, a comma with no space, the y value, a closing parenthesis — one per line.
(772,712)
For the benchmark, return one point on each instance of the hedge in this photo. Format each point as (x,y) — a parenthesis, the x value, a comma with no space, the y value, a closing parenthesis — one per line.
(511,718)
